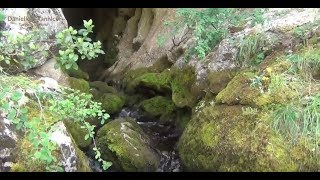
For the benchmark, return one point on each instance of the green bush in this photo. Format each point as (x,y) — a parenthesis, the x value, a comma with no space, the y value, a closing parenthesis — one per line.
(19,50)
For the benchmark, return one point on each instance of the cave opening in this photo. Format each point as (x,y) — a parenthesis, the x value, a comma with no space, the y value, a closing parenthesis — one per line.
(109,26)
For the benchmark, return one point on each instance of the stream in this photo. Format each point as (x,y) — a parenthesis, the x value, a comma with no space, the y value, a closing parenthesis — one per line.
(163,139)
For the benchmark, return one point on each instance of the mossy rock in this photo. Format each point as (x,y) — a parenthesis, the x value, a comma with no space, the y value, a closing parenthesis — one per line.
(178,82)
(133,74)
(77,73)
(159,82)
(23,162)
(159,66)
(78,134)
(239,91)
(158,106)
(112,103)
(222,138)
(79,84)
(183,79)
(218,80)
(102,87)
(123,142)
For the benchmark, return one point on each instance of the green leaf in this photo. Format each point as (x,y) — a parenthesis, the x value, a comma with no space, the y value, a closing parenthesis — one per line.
(86,137)
(2,16)
(91,54)
(106,116)
(106,165)
(12,114)
(16,96)
(75,58)
(32,46)
(68,66)
(90,22)
(61,52)
(6,106)
(71,56)
(24,111)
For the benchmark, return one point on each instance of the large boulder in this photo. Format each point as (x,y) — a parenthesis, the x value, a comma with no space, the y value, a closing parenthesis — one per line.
(224,138)
(16,150)
(124,143)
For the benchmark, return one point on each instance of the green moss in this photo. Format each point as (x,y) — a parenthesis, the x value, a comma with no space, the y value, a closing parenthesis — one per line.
(156,81)
(178,82)
(102,87)
(78,134)
(183,79)
(221,138)
(23,161)
(218,80)
(79,84)
(112,103)
(133,74)
(158,106)
(159,66)
(239,91)
(77,73)
(124,143)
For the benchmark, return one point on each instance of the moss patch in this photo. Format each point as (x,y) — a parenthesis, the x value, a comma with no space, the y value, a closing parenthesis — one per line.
(102,87)
(79,84)
(183,79)
(156,81)
(217,81)
(239,91)
(78,134)
(158,106)
(112,103)
(77,73)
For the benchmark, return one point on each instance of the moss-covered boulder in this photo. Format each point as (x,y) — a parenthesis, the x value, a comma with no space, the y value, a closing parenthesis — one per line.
(183,79)
(102,87)
(79,84)
(273,88)
(78,134)
(77,73)
(124,143)
(112,103)
(239,91)
(218,80)
(158,106)
(223,138)
(159,82)
(160,65)
(66,152)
